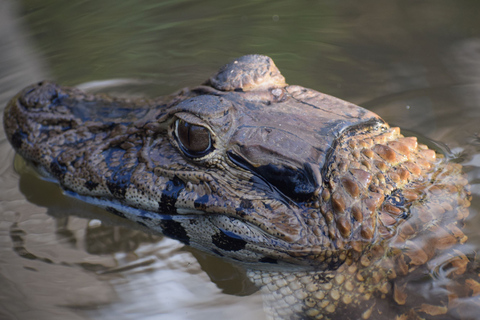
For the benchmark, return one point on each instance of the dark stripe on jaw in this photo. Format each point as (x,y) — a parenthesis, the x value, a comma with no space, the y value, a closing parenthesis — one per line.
(268,260)
(90,185)
(121,171)
(201,203)
(228,241)
(174,229)
(166,205)
(57,170)
(119,182)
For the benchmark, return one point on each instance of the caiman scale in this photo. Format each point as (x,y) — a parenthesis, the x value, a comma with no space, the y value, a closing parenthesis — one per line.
(335,214)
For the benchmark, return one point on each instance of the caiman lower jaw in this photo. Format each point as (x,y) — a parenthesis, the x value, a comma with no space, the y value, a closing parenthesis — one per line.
(231,237)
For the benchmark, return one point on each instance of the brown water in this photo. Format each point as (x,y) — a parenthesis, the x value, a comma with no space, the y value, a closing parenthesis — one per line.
(417,64)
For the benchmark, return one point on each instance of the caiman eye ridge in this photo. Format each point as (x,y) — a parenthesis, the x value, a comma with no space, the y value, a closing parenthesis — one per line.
(195,141)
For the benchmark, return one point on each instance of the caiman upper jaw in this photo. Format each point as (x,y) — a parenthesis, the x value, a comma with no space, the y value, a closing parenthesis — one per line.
(39,107)
(25,106)
(39,95)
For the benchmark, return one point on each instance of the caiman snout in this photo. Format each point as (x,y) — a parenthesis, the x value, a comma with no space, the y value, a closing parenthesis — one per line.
(37,110)
(39,95)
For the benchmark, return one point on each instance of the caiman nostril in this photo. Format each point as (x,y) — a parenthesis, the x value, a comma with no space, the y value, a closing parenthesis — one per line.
(39,95)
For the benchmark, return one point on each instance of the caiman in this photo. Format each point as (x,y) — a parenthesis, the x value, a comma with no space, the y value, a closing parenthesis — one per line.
(335,214)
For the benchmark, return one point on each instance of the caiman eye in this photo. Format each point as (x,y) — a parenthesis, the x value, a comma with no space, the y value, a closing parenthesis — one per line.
(195,141)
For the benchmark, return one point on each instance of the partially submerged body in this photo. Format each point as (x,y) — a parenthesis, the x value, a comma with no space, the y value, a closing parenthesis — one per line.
(331,210)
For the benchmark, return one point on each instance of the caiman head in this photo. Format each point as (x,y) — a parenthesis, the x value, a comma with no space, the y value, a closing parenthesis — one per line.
(243,166)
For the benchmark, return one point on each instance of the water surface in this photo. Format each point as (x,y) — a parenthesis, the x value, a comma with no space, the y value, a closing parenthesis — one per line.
(417,64)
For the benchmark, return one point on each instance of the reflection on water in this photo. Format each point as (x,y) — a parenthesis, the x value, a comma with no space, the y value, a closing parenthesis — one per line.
(415,64)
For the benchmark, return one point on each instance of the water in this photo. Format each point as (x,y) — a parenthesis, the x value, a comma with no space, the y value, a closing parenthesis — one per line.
(417,64)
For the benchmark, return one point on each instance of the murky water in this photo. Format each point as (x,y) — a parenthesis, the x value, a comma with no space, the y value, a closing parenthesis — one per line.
(417,64)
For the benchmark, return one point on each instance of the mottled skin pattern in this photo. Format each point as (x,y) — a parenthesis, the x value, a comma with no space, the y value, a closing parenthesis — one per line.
(332,211)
